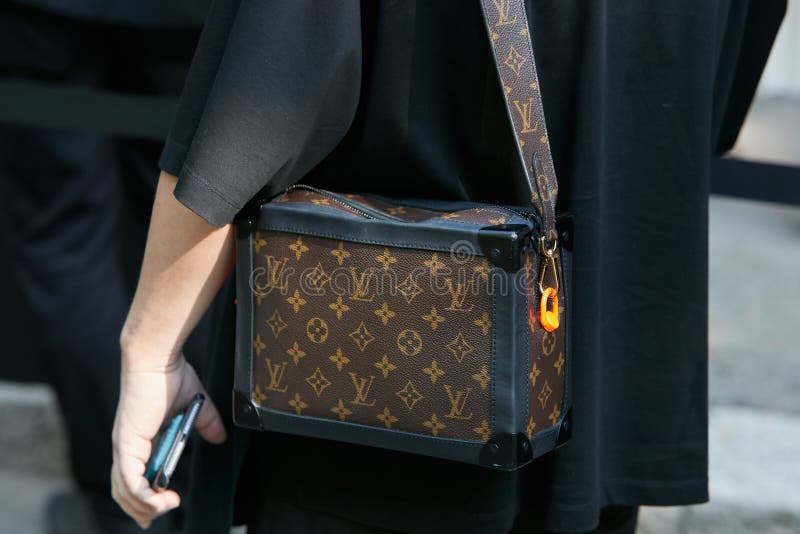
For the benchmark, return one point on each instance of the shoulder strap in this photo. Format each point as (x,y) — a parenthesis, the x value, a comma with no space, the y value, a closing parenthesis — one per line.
(512,50)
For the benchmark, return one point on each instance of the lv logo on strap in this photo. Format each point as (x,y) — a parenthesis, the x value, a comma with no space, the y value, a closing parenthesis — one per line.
(507,26)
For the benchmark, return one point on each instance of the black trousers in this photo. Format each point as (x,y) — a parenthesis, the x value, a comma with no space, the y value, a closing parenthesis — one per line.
(275,517)
(74,209)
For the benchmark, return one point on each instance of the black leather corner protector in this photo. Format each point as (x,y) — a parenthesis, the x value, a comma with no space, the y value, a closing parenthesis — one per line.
(506,452)
(245,412)
(545,441)
(448,449)
(565,226)
(503,244)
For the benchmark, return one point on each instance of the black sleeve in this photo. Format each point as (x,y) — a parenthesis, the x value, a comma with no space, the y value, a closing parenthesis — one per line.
(198,84)
(272,89)
(746,42)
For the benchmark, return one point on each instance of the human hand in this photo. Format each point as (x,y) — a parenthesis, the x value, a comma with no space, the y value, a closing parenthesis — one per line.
(148,396)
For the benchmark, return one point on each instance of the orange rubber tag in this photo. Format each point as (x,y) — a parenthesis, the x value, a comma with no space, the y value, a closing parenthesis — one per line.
(549,317)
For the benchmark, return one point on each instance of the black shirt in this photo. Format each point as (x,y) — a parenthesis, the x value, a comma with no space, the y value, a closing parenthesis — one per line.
(140,13)
(401,98)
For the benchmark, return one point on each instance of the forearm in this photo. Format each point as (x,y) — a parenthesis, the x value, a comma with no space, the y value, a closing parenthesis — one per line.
(185,262)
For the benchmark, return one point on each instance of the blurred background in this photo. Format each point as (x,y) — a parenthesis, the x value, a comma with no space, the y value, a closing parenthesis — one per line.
(83,113)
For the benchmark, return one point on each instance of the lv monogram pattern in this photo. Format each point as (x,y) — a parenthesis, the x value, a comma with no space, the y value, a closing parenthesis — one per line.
(371,335)
(547,374)
(507,26)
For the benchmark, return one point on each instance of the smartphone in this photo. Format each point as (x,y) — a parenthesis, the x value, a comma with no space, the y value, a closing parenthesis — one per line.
(165,458)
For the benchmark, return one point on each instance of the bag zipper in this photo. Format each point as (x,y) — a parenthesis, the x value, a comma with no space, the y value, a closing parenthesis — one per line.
(370,213)
(357,207)
(528,214)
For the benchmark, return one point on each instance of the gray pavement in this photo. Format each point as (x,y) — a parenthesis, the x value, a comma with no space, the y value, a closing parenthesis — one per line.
(32,436)
(22,500)
(754,316)
(754,384)
(754,476)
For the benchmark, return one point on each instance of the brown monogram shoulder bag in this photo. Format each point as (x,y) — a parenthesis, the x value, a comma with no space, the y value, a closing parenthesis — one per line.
(425,326)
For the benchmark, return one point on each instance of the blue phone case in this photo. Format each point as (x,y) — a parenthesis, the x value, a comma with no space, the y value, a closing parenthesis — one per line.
(164,445)
(165,458)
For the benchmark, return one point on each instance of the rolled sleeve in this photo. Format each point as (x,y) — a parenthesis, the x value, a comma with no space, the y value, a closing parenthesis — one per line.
(272,89)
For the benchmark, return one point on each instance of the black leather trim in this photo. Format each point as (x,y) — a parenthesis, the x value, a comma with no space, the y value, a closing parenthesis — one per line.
(244,308)
(450,449)
(522,357)
(508,359)
(566,269)
(440,235)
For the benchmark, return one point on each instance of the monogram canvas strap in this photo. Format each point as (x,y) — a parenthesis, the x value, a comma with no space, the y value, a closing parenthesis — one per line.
(512,50)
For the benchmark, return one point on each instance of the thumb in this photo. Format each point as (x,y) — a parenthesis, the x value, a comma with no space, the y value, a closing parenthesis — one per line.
(209,423)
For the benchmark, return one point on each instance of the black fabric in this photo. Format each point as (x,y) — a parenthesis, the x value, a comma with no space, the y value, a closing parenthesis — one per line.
(750,32)
(141,13)
(314,67)
(406,94)
(277,517)
(613,520)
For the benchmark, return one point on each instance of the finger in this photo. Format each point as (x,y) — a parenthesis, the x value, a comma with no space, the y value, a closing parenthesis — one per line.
(140,518)
(144,497)
(209,423)
(162,501)
(122,497)
(140,495)
(152,504)
(144,504)
(125,491)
